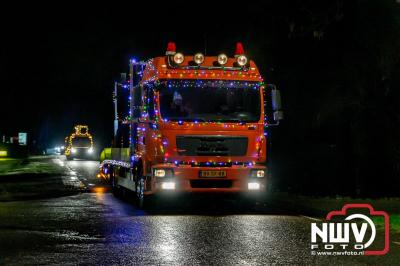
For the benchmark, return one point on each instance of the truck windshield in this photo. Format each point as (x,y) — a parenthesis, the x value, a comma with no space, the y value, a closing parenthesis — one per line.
(81,142)
(201,100)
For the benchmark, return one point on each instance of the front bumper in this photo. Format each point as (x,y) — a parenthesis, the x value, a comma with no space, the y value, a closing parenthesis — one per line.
(187,179)
(81,153)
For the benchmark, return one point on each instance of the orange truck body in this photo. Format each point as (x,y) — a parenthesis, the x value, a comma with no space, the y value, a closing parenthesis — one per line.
(157,141)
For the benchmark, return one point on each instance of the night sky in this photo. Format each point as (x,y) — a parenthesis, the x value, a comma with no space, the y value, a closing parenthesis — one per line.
(58,66)
(336,62)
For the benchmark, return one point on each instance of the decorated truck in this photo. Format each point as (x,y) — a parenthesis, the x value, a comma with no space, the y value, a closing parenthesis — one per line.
(191,124)
(79,144)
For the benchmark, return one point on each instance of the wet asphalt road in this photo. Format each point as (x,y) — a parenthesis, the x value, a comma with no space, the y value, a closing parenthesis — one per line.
(95,228)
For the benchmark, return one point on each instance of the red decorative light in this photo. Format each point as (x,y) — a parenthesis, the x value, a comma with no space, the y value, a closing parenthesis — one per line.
(239,49)
(171,48)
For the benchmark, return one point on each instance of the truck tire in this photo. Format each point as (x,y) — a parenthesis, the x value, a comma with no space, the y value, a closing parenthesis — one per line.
(140,197)
(116,189)
(142,201)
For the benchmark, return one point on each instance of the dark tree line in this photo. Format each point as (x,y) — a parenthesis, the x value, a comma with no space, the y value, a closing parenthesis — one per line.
(338,65)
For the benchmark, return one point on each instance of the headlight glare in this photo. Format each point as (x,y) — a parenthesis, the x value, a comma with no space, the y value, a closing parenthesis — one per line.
(168,185)
(253,186)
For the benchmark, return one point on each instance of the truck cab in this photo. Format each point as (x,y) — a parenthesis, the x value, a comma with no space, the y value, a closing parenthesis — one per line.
(79,144)
(195,124)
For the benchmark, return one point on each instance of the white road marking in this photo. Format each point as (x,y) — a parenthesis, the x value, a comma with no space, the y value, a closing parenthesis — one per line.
(311,218)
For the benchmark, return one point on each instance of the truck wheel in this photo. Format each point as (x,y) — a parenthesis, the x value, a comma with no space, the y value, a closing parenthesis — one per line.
(116,190)
(69,158)
(140,198)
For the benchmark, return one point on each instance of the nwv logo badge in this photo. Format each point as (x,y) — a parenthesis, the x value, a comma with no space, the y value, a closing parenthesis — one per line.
(353,234)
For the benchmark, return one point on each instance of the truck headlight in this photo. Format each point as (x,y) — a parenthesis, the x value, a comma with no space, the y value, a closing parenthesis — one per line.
(168,185)
(73,150)
(253,186)
(258,173)
(90,150)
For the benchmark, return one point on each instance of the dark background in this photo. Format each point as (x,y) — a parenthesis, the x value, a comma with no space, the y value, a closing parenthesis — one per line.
(336,62)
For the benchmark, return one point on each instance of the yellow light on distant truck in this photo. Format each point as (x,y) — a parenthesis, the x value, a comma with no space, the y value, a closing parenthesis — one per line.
(3,153)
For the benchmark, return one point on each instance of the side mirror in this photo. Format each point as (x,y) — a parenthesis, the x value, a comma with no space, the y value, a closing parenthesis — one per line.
(278,115)
(276,104)
(276,99)
(273,105)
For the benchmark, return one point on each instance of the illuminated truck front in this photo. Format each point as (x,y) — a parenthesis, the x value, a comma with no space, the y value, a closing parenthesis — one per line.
(212,135)
(81,146)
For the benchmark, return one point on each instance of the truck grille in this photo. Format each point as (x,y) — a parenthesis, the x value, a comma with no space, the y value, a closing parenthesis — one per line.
(211,145)
(211,183)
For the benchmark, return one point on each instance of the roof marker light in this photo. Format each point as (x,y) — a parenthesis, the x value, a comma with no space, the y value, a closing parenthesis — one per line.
(222,59)
(239,49)
(171,49)
(241,60)
(198,58)
(179,58)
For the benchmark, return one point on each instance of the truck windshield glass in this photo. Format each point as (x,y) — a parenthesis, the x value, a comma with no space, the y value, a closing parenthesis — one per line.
(81,142)
(225,101)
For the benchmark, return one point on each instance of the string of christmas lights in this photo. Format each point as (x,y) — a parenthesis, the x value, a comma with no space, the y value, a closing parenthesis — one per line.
(150,107)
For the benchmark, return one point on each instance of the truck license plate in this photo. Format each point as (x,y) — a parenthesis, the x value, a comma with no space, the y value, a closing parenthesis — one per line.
(212,173)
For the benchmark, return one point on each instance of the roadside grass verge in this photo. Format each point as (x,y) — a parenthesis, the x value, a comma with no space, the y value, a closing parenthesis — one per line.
(35,177)
(394,222)
(32,165)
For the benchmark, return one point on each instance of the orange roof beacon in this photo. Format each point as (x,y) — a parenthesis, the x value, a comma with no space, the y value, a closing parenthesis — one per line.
(191,123)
